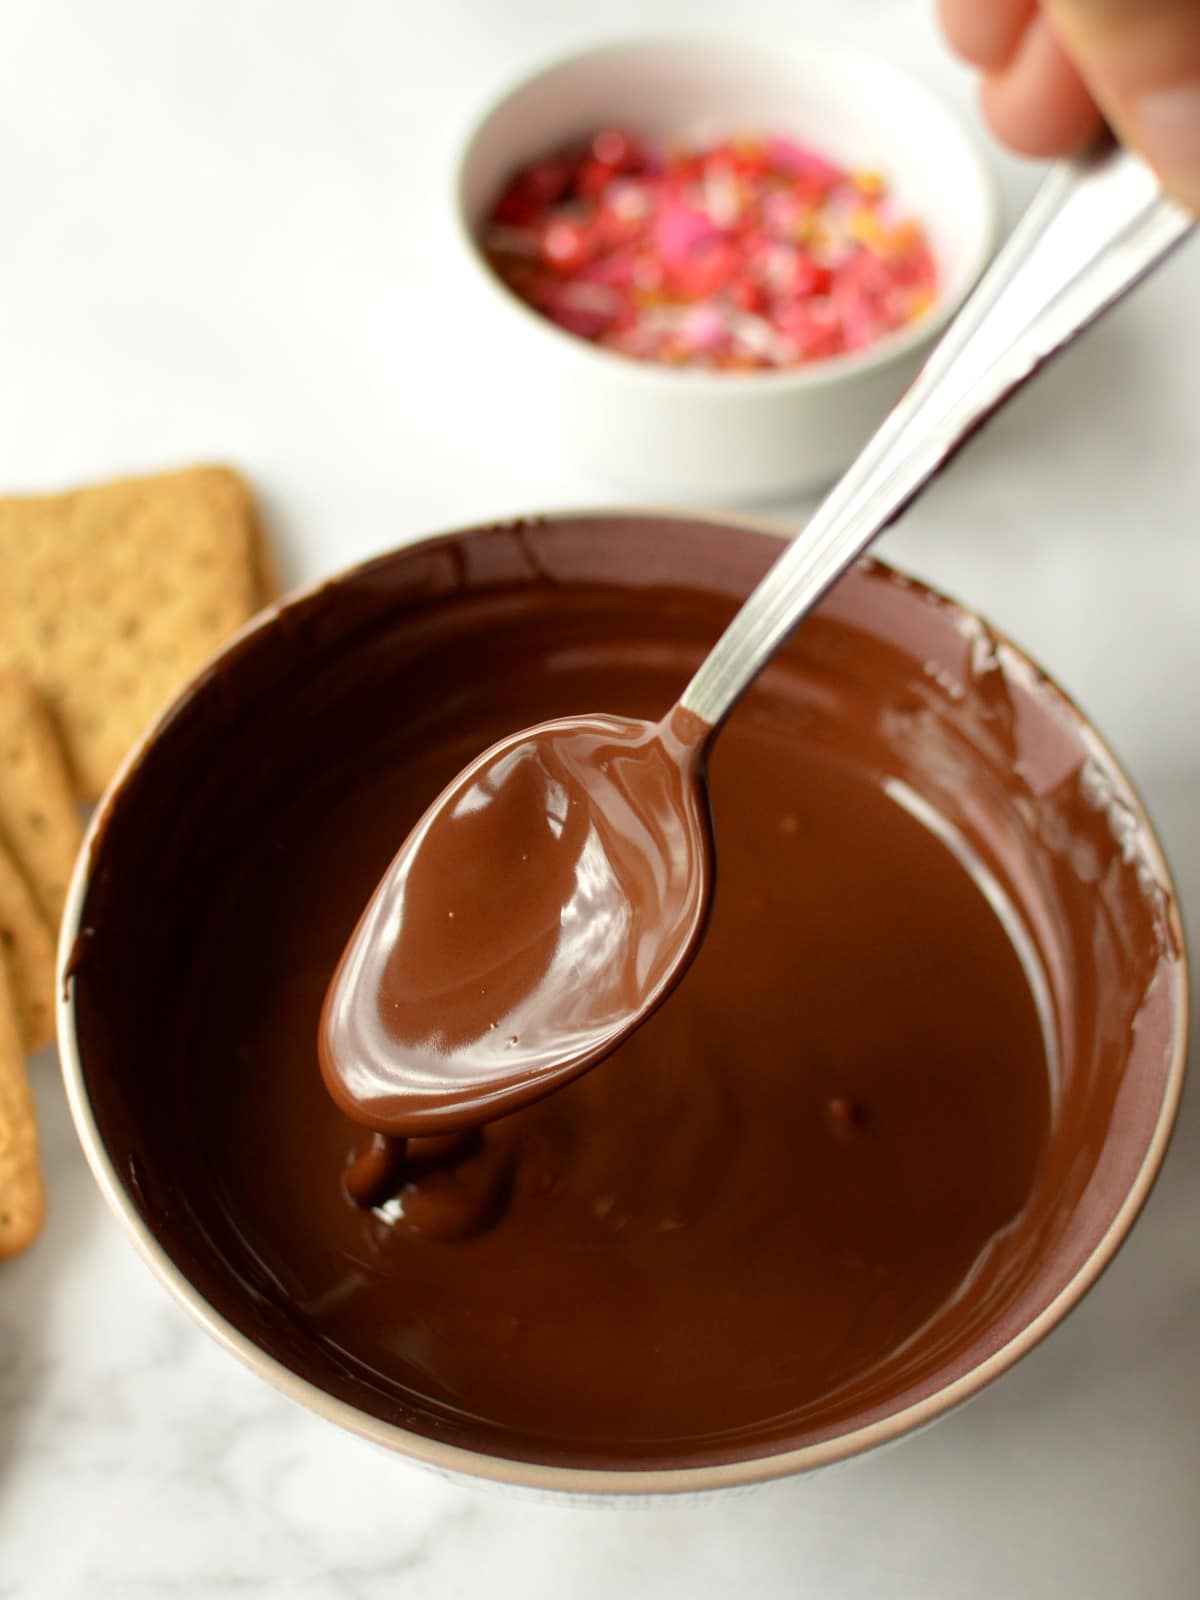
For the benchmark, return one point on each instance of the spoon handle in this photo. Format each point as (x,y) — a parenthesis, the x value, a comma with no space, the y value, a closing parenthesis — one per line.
(1097,225)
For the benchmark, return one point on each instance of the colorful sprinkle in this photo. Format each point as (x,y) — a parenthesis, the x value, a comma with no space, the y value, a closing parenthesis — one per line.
(748,254)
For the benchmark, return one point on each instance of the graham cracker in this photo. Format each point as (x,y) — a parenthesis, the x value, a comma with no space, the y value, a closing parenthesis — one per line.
(22,1185)
(39,819)
(27,947)
(111,597)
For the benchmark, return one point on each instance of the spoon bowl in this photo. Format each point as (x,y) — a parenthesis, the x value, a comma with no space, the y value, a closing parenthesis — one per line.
(538,913)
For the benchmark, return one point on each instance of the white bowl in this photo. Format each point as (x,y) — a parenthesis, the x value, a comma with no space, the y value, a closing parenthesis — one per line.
(703,436)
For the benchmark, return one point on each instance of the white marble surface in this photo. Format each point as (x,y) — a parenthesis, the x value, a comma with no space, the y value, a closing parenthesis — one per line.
(219,232)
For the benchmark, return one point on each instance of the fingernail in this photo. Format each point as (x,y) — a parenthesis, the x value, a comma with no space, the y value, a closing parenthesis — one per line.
(1168,127)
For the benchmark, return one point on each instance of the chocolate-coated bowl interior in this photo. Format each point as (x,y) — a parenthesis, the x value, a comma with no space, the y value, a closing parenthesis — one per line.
(903,684)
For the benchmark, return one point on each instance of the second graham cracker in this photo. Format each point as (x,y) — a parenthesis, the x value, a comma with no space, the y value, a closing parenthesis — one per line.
(39,819)
(27,947)
(22,1185)
(111,597)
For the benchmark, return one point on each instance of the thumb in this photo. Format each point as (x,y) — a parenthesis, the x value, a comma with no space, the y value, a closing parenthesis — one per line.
(1141,61)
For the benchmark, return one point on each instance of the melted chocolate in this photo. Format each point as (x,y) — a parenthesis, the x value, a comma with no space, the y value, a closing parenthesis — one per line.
(856,1149)
(538,911)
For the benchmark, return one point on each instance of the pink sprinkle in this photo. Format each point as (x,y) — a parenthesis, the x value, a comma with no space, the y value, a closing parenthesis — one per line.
(617,268)
(679,231)
(802,162)
(704,328)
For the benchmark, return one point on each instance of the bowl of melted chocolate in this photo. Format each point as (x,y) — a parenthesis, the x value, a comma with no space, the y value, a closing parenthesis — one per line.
(893,1123)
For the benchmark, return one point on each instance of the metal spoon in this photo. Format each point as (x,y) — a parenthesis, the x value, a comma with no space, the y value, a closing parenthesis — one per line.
(556,892)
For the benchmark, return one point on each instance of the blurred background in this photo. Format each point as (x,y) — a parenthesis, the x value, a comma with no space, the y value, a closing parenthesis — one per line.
(228,235)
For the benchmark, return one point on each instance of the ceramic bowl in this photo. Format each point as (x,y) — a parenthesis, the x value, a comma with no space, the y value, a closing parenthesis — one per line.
(710,437)
(977,736)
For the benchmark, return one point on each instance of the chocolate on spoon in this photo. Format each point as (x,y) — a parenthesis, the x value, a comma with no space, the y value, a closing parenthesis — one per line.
(545,898)
(557,890)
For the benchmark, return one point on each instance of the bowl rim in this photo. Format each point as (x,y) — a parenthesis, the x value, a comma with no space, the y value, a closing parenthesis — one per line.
(606,1482)
(892,347)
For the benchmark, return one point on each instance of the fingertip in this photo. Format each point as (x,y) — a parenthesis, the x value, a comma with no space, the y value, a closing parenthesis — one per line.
(985,35)
(1039,105)
(1033,128)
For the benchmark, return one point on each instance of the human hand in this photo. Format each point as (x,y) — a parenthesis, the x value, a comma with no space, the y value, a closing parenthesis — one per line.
(1054,69)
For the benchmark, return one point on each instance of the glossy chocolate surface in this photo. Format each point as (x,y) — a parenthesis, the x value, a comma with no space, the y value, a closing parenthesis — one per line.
(873,1126)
